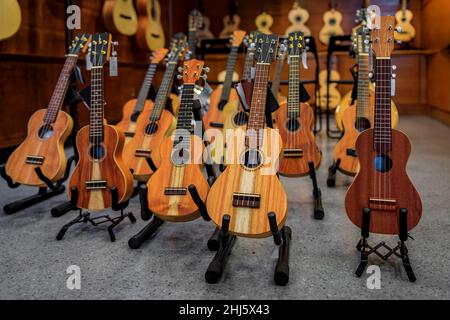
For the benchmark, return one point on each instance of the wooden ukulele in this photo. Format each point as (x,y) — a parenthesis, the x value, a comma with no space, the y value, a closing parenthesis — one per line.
(204,32)
(264,21)
(150,34)
(10,18)
(275,88)
(133,108)
(168,196)
(334,96)
(406,30)
(231,21)
(298,17)
(225,92)
(332,27)
(120,16)
(295,119)
(382,184)
(249,188)
(47,130)
(155,123)
(100,166)
(195,22)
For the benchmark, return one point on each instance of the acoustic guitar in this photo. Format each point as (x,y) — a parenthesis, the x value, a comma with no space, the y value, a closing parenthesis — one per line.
(249,188)
(382,184)
(225,92)
(120,16)
(295,119)
(155,123)
(195,23)
(231,21)
(47,130)
(150,34)
(100,166)
(334,96)
(264,21)
(168,196)
(332,24)
(406,31)
(133,108)
(10,18)
(298,17)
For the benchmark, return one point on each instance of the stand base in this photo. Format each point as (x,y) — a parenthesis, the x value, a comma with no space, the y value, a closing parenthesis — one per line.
(43,194)
(319,212)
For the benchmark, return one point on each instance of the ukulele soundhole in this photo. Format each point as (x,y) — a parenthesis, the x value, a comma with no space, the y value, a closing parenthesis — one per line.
(241,118)
(332,22)
(298,19)
(252,159)
(97,152)
(382,163)
(292,125)
(362,124)
(135,116)
(180,156)
(45,132)
(151,128)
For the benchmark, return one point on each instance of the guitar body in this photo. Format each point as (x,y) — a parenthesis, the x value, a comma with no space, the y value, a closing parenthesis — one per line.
(230,25)
(263,23)
(150,143)
(301,139)
(126,125)
(154,33)
(332,27)
(214,114)
(246,221)
(394,185)
(234,115)
(120,16)
(404,22)
(298,17)
(177,208)
(10,18)
(51,149)
(111,169)
(334,96)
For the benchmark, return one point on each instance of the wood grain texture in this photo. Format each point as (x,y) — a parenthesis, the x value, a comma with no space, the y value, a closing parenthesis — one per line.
(214,114)
(302,139)
(178,208)
(111,169)
(394,184)
(125,125)
(248,222)
(52,149)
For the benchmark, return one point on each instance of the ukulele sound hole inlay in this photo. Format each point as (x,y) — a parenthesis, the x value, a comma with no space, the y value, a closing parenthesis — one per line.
(45,132)
(97,152)
(382,163)
(252,159)
(292,125)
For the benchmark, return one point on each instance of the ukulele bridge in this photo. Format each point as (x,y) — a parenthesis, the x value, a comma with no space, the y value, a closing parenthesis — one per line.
(382,204)
(95,185)
(246,200)
(129,134)
(38,160)
(293,153)
(143,153)
(173,191)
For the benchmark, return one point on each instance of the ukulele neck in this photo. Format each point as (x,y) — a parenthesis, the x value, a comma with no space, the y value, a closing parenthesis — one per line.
(363,102)
(184,117)
(192,41)
(96,113)
(226,89)
(294,89)
(145,88)
(382,127)
(163,92)
(60,90)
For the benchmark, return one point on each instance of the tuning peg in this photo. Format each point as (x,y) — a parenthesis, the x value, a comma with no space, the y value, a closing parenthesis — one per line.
(206,69)
(180,69)
(179,76)
(204,77)
(398,42)
(394,67)
(394,75)
(307,40)
(371,75)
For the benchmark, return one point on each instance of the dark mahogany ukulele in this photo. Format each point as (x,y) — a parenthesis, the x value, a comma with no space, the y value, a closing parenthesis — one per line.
(382,184)
(295,119)
(47,130)
(100,145)
(181,160)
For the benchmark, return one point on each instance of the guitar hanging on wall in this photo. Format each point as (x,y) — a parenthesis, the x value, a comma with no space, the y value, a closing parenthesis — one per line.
(120,16)
(231,21)
(10,18)
(406,31)
(195,22)
(47,130)
(298,17)
(264,21)
(332,19)
(150,34)
(100,167)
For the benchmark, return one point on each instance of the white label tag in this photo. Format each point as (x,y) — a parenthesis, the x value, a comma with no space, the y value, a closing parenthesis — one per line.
(113,68)
(304,60)
(88,61)
(392,87)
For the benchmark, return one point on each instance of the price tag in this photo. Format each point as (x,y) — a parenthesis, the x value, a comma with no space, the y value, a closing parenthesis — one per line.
(113,64)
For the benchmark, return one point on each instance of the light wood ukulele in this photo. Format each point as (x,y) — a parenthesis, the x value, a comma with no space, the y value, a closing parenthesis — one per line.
(334,96)
(10,18)
(47,130)
(155,123)
(382,184)
(249,188)
(332,24)
(120,16)
(133,108)
(100,166)
(406,31)
(298,16)
(181,165)
(231,21)
(295,119)
(150,34)
(264,21)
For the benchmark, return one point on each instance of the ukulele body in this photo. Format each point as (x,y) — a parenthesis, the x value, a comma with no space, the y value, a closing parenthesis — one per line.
(126,125)
(204,32)
(147,141)
(384,193)
(120,16)
(110,169)
(177,208)
(234,115)
(334,97)
(263,23)
(332,27)
(230,25)
(262,182)
(154,33)
(10,17)
(51,150)
(298,17)
(408,32)
(214,115)
(301,140)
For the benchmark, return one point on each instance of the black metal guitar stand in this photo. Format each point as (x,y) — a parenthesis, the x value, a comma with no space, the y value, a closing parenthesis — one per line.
(319,212)
(85,217)
(400,250)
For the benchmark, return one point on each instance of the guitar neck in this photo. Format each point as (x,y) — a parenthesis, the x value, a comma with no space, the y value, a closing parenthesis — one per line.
(382,127)
(184,117)
(277,76)
(363,102)
(294,89)
(192,41)
(248,64)
(163,92)
(145,88)
(229,74)
(59,93)
(96,113)
(258,106)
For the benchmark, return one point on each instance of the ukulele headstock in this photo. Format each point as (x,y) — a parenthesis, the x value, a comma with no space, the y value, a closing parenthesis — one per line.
(237,38)
(266,47)
(178,47)
(80,43)
(158,55)
(362,40)
(296,43)
(192,71)
(100,49)
(250,39)
(195,20)
(383,37)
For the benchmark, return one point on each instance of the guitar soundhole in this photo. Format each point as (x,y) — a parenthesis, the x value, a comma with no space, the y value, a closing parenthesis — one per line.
(298,19)
(45,132)
(97,152)
(151,128)
(252,159)
(264,23)
(241,118)
(135,116)
(332,22)
(180,156)
(292,125)
(362,124)
(382,163)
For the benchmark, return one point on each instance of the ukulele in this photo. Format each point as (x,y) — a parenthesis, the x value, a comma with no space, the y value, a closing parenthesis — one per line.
(133,108)
(275,88)
(382,184)
(150,34)
(403,18)
(298,17)
(100,166)
(181,154)
(225,92)
(195,22)
(249,188)
(334,96)
(231,21)
(204,32)
(120,16)
(10,18)
(47,130)
(155,123)
(264,21)
(295,119)
(332,19)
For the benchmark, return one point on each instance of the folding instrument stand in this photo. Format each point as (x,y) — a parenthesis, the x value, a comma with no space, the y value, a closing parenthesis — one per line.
(400,250)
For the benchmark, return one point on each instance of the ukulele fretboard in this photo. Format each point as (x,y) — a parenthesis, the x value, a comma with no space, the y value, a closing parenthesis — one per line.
(163,92)
(145,88)
(362,102)
(97,106)
(229,74)
(382,127)
(294,87)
